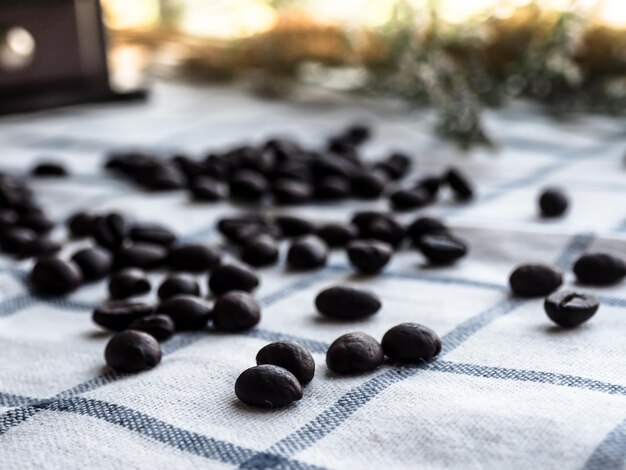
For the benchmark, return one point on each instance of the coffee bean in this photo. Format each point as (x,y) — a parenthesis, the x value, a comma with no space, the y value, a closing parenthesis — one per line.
(369,185)
(8,219)
(362,219)
(13,240)
(337,235)
(569,309)
(141,255)
(291,226)
(429,184)
(161,327)
(229,277)
(396,166)
(599,269)
(152,233)
(369,256)
(187,311)
(163,177)
(425,226)
(177,284)
(534,280)
(236,311)
(247,186)
(459,184)
(118,315)
(354,353)
(553,203)
(347,303)
(80,224)
(205,188)
(244,227)
(411,343)
(332,188)
(383,228)
(132,351)
(37,222)
(128,282)
(409,199)
(110,231)
(49,168)
(260,251)
(291,356)
(95,263)
(306,253)
(358,134)
(53,276)
(293,192)
(42,245)
(268,386)
(193,258)
(442,249)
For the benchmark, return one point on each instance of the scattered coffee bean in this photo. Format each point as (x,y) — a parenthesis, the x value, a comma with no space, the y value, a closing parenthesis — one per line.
(40,246)
(13,240)
(49,169)
(128,282)
(268,386)
(534,280)
(188,312)
(118,315)
(110,230)
(80,224)
(337,235)
(553,203)
(306,253)
(383,228)
(242,228)
(332,188)
(459,184)
(600,269)
(132,351)
(229,277)
(163,177)
(205,188)
(291,356)
(354,353)
(396,166)
(411,343)
(409,199)
(152,233)
(140,255)
(53,276)
(161,327)
(36,221)
(425,226)
(291,226)
(236,311)
(430,184)
(347,303)
(442,249)
(291,192)
(95,263)
(247,186)
(569,309)
(369,256)
(260,251)
(369,185)
(193,258)
(8,219)
(177,284)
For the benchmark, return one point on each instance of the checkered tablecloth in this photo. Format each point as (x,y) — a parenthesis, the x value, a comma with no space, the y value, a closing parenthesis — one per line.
(509,389)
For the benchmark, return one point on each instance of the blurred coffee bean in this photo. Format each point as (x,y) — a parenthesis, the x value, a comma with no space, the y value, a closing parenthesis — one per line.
(337,235)
(205,188)
(230,277)
(247,186)
(409,199)
(291,226)
(177,284)
(8,218)
(128,282)
(331,188)
(369,185)
(309,252)
(80,224)
(600,269)
(118,315)
(110,230)
(425,226)
(160,327)
(442,249)
(39,222)
(260,251)
(54,276)
(49,168)
(236,311)
(141,255)
(95,263)
(13,240)
(385,229)
(535,280)
(187,311)
(42,245)
(369,256)
(291,192)
(152,233)
(553,203)
(193,258)
(460,185)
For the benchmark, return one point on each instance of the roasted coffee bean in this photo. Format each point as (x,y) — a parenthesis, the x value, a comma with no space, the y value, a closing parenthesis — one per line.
(13,240)
(442,249)
(459,184)
(369,185)
(152,233)
(193,258)
(260,251)
(42,245)
(8,218)
(132,351)
(118,315)
(53,276)
(358,134)
(36,221)
(534,280)
(425,226)
(396,166)
(161,327)
(128,282)
(245,227)
(331,188)
(306,253)
(409,199)
(347,303)
(177,284)
(110,230)
(362,219)
(411,343)
(337,235)
(80,224)
(268,386)
(141,255)
(205,188)
(163,177)
(369,256)
(291,226)
(286,191)
(95,263)
(384,229)
(354,353)
(569,309)
(236,311)
(229,277)
(49,169)
(330,165)
(429,184)
(187,311)
(552,203)
(247,186)
(291,356)
(600,269)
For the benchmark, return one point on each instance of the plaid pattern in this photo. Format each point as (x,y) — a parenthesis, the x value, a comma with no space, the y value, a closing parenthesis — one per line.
(508,390)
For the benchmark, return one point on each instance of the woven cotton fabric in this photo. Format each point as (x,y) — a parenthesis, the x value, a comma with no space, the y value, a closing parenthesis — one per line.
(509,389)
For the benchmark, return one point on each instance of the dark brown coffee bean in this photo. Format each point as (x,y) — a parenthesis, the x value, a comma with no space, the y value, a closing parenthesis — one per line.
(242,228)
(13,240)
(369,185)
(132,351)
(42,245)
(268,386)
(163,177)
(411,343)
(80,224)
(442,249)
(306,253)
(347,303)
(247,185)
(358,134)
(36,221)
(384,229)
(459,184)
(429,184)
(409,199)
(128,282)
(193,258)
(331,188)
(53,276)
(260,251)
(291,226)
(152,233)
(161,327)
(236,311)
(396,166)
(569,309)
(110,230)
(177,284)
(187,311)
(600,269)
(354,353)
(362,219)
(293,192)
(229,277)
(118,315)
(205,188)
(330,165)
(369,256)
(553,203)
(425,226)
(291,356)
(95,263)
(337,235)
(140,255)
(8,219)
(49,168)
(534,280)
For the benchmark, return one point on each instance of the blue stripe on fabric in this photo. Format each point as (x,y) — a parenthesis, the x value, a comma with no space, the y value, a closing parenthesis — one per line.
(9,399)
(577,246)
(312,345)
(611,452)
(16,304)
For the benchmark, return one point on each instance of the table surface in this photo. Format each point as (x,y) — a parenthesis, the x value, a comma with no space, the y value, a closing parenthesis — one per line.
(508,389)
